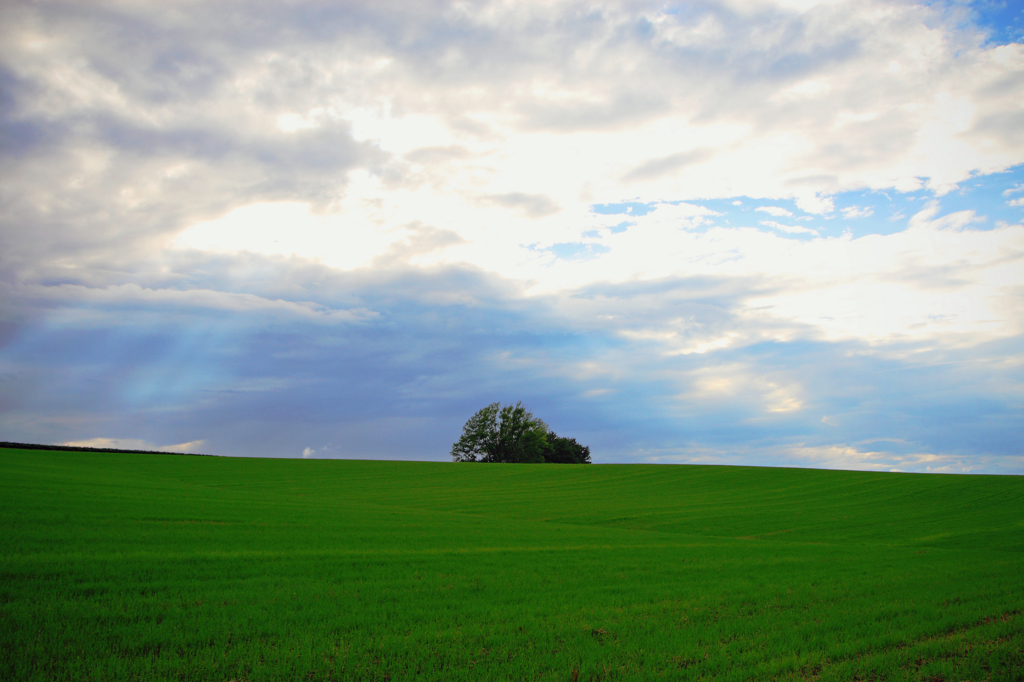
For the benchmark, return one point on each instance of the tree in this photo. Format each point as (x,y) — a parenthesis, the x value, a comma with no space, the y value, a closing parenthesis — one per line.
(499,433)
(479,436)
(565,450)
(510,433)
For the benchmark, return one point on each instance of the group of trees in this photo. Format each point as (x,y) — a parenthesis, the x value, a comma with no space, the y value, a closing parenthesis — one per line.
(510,433)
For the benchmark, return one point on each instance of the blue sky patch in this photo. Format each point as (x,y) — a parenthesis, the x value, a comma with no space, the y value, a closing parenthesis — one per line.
(635,208)
(996,199)
(577,250)
(990,196)
(1003,20)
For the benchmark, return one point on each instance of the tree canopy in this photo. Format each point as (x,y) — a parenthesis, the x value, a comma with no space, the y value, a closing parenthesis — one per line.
(510,433)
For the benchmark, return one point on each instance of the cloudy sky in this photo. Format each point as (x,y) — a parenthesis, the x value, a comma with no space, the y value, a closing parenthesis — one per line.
(777,233)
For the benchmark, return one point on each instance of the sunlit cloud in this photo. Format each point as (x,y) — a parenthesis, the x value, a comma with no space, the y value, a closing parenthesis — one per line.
(194,446)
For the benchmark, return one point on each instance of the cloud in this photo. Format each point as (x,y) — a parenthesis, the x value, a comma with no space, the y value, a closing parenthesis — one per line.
(191,447)
(843,457)
(847,457)
(357,223)
(857,212)
(531,205)
(127,296)
(308,452)
(664,165)
(624,367)
(789,229)
(775,211)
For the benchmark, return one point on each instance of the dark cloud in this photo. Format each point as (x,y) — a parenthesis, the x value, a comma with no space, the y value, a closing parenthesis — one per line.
(399,383)
(18,135)
(654,168)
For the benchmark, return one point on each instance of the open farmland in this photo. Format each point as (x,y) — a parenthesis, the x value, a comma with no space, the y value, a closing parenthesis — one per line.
(130,566)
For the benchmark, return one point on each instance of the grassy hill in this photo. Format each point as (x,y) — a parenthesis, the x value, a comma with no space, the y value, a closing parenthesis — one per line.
(134,566)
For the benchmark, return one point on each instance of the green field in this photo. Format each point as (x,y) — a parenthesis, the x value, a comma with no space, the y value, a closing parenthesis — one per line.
(130,566)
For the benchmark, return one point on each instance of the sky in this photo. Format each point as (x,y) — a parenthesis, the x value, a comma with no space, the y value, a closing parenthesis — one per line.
(775,233)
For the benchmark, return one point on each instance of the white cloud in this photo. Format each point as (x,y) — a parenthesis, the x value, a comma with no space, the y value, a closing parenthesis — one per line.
(191,446)
(818,202)
(775,211)
(940,282)
(736,383)
(905,100)
(1016,202)
(194,446)
(851,457)
(308,452)
(884,288)
(291,229)
(789,229)
(907,103)
(857,212)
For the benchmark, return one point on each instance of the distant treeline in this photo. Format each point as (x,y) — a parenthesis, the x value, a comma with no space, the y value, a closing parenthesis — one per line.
(76,448)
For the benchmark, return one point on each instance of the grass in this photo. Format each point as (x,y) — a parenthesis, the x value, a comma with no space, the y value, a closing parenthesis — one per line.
(131,566)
